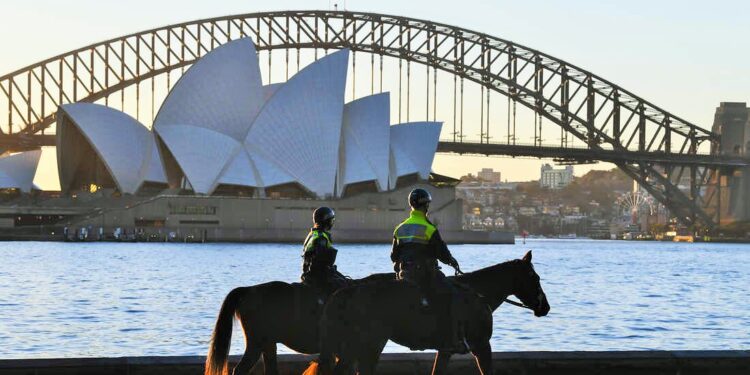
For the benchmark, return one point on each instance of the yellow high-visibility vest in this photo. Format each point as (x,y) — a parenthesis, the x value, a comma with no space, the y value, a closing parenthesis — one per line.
(415,229)
(314,235)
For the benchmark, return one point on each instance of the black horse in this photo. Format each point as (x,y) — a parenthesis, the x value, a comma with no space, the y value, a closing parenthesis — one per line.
(270,313)
(358,321)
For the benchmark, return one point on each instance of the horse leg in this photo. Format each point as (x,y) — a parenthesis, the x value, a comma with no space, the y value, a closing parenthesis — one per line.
(369,357)
(249,359)
(441,363)
(483,355)
(344,367)
(344,360)
(269,359)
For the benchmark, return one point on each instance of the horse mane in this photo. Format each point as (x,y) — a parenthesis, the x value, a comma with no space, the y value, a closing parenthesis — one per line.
(486,271)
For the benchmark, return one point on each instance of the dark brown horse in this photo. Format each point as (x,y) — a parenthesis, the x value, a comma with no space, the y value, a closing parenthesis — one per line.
(270,313)
(358,321)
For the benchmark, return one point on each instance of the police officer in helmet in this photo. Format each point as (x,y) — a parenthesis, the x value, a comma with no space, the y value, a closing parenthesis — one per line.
(318,266)
(417,248)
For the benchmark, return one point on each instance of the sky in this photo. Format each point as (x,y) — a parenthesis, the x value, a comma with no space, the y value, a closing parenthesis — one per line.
(685,56)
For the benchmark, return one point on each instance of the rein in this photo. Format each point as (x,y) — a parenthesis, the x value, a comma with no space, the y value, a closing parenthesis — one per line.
(510,301)
(519,304)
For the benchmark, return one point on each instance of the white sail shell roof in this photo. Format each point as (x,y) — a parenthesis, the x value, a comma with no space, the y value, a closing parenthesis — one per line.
(239,171)
(299,128)
(155,169)
(269,174)
(222,91)
(201,153)
(124,145)
(17,171)
(270,90)
(413,147)
(366,136)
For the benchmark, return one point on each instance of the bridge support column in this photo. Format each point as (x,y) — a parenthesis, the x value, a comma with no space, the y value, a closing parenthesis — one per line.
(732,122)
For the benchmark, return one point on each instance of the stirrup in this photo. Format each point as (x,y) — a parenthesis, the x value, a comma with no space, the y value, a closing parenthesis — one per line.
(466,345)
(461,348)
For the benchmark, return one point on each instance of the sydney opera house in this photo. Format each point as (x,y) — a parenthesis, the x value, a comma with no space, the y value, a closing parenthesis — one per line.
(221,129)
(229,158)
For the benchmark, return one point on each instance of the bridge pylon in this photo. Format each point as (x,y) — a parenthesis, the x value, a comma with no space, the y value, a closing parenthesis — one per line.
(731,187)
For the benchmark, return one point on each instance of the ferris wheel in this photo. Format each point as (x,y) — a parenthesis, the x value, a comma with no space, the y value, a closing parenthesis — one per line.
(635,203)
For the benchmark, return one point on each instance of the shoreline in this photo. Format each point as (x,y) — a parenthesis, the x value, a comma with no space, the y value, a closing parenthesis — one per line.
(268,236)
(505,239)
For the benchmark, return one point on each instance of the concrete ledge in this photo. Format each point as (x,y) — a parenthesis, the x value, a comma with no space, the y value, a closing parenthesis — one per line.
(526,363)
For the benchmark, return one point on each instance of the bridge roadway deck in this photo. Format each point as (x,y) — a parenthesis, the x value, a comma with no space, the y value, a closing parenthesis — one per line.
(527,363)
(576,154)
(591,155)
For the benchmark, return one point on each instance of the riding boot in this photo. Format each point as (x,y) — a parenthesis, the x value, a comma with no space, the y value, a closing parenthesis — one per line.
(448,335)
(319,285)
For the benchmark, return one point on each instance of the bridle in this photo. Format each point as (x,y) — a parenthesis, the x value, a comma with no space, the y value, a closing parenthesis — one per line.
(519,304)
(458,272)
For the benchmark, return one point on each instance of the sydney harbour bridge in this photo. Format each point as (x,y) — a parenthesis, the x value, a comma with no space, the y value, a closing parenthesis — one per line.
(496,97)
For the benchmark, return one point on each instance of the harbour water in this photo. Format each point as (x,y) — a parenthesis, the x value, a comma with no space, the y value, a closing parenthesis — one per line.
(138,299)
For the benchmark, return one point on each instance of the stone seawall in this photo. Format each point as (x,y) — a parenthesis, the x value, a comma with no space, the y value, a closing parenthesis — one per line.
(526,363)
(358,236)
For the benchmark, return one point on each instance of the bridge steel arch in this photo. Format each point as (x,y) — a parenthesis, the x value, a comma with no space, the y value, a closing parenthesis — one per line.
(607,118)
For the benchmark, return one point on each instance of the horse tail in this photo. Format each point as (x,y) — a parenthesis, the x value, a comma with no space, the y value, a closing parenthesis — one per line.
(218,351)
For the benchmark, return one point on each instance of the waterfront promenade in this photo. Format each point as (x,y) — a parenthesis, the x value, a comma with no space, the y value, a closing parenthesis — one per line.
(527,363)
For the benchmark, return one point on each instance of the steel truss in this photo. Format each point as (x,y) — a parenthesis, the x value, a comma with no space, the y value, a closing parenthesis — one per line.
(609,119)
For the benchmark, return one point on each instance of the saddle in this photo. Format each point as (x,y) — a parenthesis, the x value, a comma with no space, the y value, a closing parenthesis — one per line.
(324,286)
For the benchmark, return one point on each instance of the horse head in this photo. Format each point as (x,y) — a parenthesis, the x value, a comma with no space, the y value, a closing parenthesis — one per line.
(528,287)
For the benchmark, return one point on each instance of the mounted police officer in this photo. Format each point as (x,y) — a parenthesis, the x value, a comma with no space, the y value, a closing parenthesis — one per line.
(417,248)
(318,266)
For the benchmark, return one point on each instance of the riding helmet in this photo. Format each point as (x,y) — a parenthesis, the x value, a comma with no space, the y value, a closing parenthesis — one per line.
(323,217)
(419,198)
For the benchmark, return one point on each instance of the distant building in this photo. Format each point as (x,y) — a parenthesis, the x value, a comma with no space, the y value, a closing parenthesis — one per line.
(489,175)
(499,222)
(551,210)
(526,211)
(555,178)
